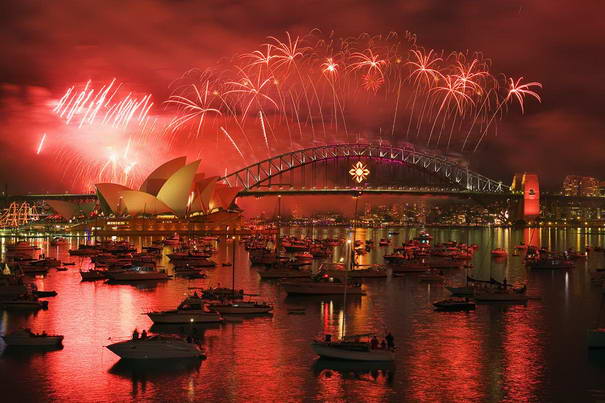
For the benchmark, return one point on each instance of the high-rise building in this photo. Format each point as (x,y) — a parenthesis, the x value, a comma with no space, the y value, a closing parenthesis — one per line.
(575,185)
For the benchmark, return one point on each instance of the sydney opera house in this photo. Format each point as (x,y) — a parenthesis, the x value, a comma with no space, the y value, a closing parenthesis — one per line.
(174,197)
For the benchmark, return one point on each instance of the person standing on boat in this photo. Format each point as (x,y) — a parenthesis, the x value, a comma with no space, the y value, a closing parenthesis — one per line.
(135,334)
(143,334)
(390,341)
(374,343)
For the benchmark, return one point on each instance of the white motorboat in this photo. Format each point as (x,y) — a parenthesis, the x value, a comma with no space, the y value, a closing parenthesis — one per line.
(137,274)
(596,338)
(25,338)
(155,347)
(351,348)
(241,307)
(191,310)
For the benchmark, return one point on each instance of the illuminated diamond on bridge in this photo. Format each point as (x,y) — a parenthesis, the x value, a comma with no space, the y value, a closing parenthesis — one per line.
(359,172)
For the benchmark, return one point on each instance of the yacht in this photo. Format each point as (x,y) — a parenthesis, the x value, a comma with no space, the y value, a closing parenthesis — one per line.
(551,264)
(351,348)
(191,310)
(137,274)
(454,304)
(155,347)
(321,284)
(25,338)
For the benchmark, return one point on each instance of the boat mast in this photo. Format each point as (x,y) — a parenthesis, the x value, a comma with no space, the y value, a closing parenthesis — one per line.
(233,264)
(277,236)
(349,265)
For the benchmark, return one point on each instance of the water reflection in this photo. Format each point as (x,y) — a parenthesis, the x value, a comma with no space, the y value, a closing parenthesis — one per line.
(516,353)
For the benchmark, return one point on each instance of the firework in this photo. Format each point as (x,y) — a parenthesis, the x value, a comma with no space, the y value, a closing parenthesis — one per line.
(292,92)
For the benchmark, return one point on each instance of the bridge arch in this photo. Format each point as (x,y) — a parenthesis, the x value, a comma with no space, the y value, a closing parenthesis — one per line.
(463,178)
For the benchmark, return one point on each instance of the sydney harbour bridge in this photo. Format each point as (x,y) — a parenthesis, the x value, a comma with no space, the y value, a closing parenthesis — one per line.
(358,169)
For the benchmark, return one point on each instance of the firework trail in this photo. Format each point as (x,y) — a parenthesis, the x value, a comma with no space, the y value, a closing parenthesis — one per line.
(292,92)
(41,144)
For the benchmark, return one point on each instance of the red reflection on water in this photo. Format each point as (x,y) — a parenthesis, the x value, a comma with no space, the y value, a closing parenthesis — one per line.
(523,361)
(444,362)
(531,236)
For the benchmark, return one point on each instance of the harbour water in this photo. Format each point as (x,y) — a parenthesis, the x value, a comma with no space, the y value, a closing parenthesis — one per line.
(534,352)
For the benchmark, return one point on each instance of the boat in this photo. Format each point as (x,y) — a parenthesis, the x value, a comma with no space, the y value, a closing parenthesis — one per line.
(20,246)
(283,272)
(191,310)
(499,252)
(25,338)
(351,348)
(240,307)
(155,347)
(24,303)
(44,294)
(551,264)
(93,274)
(454,304)
(173,240)
(465,291)
(11,284)
(500,295)
(137,273)
(56,241)
(321,284)
(304,257)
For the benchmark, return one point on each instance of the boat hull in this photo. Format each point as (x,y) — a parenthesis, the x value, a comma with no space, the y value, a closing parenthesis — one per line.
(184,317)
(32,341)
(229,309)
(326,351)
(146,350)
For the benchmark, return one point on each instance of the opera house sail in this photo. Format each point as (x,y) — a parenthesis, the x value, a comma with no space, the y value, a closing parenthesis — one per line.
(175,190)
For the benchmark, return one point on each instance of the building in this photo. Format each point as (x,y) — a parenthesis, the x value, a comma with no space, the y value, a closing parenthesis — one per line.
(575,185)
(174,189)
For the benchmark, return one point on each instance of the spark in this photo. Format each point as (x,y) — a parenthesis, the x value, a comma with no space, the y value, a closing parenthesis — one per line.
(41,144)
(520,91)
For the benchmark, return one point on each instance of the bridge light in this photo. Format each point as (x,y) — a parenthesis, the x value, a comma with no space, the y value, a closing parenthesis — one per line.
(359,172)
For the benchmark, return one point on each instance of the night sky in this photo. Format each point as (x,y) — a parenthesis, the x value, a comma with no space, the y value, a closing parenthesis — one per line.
(47,46)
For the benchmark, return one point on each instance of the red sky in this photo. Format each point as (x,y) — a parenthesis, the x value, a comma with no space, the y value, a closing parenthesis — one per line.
(47,46)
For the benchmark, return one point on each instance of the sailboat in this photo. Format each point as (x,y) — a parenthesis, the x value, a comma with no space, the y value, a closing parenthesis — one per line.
(354,347)
(239,307)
